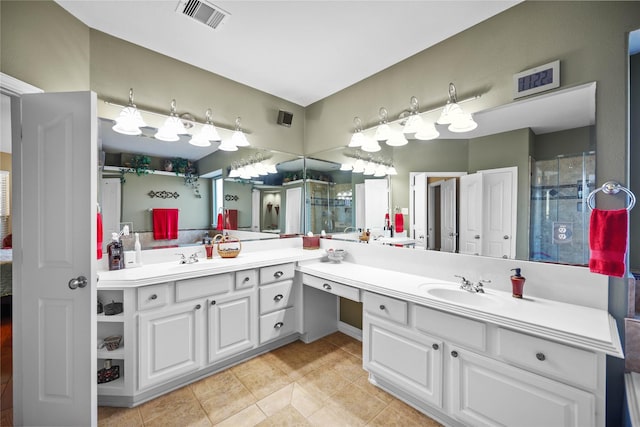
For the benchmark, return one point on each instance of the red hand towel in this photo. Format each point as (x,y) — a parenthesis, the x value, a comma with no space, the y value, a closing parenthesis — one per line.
(165,224)
(99,235)
(399,223)
(608,241)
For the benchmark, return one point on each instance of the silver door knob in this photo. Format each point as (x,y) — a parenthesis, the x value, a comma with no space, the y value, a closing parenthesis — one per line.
(78,282)
(477,236)
(505,237)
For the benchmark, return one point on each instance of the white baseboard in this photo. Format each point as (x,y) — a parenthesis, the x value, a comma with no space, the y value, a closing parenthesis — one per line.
(352,331)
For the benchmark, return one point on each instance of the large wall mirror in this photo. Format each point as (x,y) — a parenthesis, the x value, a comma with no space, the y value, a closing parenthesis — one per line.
(519,181)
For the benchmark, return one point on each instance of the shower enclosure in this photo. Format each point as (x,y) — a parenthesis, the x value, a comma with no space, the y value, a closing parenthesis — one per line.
(559,229)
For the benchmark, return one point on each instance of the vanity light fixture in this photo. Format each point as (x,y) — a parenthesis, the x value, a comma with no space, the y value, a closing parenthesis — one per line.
(346,167)
(235,171)
(272,169)
(227,145)
(427,132)
(370,168)
(381,170)
(454,116)
(172,126)
(357,139)
(391,170)
(238,138)
(414,122)
(358,166)
(370,145)
(397,139)
(383,131)
(129,121)
(207,134)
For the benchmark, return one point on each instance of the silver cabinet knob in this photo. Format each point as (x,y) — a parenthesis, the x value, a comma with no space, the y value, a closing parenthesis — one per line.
(198,307)
(246,279)
(541,357)
(382,307)
(278,274)
(454,353)
(78,282)
(278,325)
(435,346)
(505,237)
(327,286)
(278,297)
(477,236)
(213,302)
(154,296)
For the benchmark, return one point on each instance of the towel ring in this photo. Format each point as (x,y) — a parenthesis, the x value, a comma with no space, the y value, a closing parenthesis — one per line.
(611,187)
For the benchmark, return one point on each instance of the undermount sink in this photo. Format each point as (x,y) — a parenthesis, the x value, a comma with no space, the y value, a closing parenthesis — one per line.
(460,296)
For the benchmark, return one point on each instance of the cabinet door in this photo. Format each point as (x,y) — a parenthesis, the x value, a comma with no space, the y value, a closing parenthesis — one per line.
(233,324)
(169,343)
(411,362)
(486,392)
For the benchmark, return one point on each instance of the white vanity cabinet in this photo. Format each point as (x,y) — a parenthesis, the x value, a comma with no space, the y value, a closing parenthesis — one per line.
(473,373)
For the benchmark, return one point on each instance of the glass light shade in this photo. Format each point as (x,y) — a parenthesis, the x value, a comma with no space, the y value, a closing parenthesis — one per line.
(262,169)
(239,139)
(397,139)
(381,170)
(449,112)
(346,167)
(227,146)
(414,124)
(463,123)
(427,132)
(358,167)
(272,169)
(210,133)
(383,132)
(370,168)
(371,145)
(252,171)
(234,173)
(170,130)
(244,173)
(392,171)
(129,121)
(357,139)
(199,141)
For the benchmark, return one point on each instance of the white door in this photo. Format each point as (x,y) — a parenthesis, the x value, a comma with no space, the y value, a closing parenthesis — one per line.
(293,215)
(499,212)
(419,209)
(448,213)
(471,214)
(55,337)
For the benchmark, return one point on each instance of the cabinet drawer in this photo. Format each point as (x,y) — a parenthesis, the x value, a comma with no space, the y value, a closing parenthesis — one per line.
(275,273)
(339,289)
(153,296)
(547,357)
(386,307)
(277,324)
(275,296)
(463,331)
(246,279)
(203,286)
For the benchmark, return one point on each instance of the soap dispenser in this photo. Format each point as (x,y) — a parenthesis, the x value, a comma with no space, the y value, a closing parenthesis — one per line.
(116,255)
(517,283)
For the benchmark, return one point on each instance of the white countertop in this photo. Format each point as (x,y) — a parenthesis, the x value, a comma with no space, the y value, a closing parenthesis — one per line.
(169,271)
(578,325)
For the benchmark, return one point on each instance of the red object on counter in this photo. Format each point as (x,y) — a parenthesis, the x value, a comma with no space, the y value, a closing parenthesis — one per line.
(220,222)
(399,223)
(231,219)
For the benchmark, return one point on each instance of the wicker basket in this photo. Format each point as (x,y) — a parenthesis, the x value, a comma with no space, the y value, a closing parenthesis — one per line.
(112,342)
(227,246)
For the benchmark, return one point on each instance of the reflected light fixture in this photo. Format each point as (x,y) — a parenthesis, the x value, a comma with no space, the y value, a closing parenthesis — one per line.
(381,170)
(238,138)
(370,168)
(427,132)
(414,123)
(370,145)
(397,139)
(272,169)
(129,121)
(391,170)
(357,139)
(346,167)
(383,131)
(207,134)
(172,126)
(358,167)
(453,115)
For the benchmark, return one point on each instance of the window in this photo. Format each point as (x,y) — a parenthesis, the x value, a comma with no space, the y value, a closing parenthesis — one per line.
(217,199)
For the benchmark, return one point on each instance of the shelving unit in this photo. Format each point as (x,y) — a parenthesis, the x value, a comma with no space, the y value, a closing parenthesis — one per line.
(108,326)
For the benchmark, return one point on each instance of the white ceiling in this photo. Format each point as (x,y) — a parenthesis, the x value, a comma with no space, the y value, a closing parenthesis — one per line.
(301,51)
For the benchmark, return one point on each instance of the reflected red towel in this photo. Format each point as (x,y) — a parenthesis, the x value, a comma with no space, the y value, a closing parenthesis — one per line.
(165,224)
(399,223)
(608,241)
(99,235)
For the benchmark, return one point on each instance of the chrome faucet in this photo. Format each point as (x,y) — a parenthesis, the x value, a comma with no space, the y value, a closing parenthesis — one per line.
(193,258)
(183,259)
(469,286)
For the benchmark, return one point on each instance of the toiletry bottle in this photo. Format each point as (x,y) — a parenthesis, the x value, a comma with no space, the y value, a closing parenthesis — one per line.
(138,248)
(208,247)
(114,250)
(517,283)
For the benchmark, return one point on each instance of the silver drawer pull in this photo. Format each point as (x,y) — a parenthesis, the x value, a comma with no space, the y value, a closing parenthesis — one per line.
(278,297)
(154,296)
(213,302)
(198,307)
(541,357)
(382,307)
(454,353)
(278,325)
(278,274)
(435,346)
(327,286)
(246,279)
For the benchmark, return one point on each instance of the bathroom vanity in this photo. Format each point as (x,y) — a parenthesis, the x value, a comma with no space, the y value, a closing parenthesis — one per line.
(462,358)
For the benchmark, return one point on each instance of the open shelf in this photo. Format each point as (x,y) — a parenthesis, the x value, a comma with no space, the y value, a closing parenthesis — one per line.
(118,353)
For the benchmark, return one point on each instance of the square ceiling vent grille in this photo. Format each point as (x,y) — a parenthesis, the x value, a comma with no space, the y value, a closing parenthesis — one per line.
(206,13)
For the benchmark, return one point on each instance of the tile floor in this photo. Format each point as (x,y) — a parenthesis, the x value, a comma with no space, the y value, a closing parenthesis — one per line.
(317,384)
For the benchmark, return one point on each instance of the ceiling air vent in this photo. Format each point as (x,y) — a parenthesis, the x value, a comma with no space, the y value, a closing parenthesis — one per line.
(207,13)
